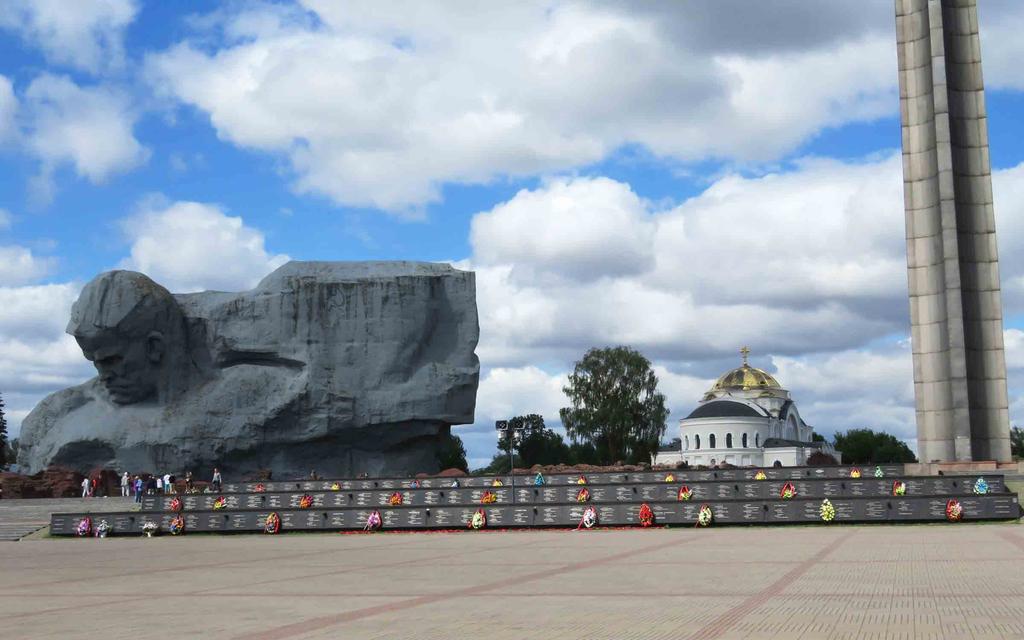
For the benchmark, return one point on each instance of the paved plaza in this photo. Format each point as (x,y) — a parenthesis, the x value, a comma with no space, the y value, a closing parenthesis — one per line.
(915,581)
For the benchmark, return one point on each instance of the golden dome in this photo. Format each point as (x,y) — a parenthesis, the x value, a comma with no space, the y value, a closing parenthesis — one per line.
(746,377)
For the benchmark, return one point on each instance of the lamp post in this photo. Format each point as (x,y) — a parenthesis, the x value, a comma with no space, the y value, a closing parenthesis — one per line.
(512,434)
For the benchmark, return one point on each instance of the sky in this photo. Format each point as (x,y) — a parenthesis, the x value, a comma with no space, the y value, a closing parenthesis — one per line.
(683,178)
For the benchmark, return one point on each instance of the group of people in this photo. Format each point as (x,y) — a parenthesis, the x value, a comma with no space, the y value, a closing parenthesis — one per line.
(147,484)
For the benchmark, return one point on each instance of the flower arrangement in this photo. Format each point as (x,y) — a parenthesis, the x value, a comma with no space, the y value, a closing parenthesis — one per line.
(980,486)
(954,512)
(84,528)
(855,472)
(760,475)
(538,480)
(879,473)
(581,480)
(336,486)
(583,495)
(684,494)
(103,529)
(488,498)
(497,483)
(479,520)
(373,521)
(670,478)
(415,484)
(259,488)
(827,511)
(705,516)
(272,524)
(588,520)
(176,504)
(787,492)
(220,503)
(306,501)
(899,488)
(177,526)
(395,499)
(150,528)
(646,516)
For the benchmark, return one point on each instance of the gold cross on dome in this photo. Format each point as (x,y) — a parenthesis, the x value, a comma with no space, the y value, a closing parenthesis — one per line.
(745,351)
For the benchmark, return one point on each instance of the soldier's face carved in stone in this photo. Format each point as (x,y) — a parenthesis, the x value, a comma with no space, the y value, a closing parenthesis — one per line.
(129,369)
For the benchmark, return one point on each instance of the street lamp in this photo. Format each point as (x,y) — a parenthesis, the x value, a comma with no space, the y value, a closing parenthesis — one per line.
(512,434)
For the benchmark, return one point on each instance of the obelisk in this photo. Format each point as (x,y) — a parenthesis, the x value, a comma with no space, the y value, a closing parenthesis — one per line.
(956,313)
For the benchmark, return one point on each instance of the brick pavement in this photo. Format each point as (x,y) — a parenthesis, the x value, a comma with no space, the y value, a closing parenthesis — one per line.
(921,581)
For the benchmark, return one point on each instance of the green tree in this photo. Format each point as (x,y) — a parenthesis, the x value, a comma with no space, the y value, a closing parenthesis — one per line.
(4,447)
(616,406)
(539,445)
(1017,442)
(452,454)
(864,446)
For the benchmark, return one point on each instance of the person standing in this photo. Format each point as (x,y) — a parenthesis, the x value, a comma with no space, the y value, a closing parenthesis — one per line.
(138,489)
(125,480)
(167,483)
(188,482)
(86,488)
(159,483)
(216,479)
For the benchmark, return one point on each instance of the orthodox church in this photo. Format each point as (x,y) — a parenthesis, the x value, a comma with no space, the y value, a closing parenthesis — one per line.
(745,419)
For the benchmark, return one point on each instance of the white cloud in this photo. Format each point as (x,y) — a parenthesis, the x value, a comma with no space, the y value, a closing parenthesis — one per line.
(88,127)
(19,266)
(380,106)
(8,109)
(5,219)
(191,246)
(83,34)
(1001,23)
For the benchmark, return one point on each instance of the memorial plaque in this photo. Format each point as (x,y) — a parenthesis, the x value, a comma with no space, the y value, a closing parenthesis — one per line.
(751,490)
(859,489)
(875,510)
(786,511)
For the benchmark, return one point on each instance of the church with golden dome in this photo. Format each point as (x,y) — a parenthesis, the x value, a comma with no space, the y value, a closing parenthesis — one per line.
(745,419)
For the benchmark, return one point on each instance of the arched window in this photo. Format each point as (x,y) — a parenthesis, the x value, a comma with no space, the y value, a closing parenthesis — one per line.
(696,441)
(777,463)
(744,440)
(687,441)
(757,439)
(711,441)
(728,441)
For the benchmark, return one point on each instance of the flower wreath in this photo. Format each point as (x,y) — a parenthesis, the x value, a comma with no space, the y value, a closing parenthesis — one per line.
(103,529)
(879,473)
(272,524)
(787,492)
(306,501)
(497,483)
(488,498)
(415,484)
(954,512)
(684,494)
(855,473)
(899,488)
(827,511)
(177,526)
(760,475)
(176,504)
(538,480)
(646,516)
(150,528)
(395,499)
(336,486)
(220,503)
(373,521)
(670,478)
(705,516)
(259,488)
(581,480)
(589,519)
(479,520)
(84,527)
(980,486)
(583,495)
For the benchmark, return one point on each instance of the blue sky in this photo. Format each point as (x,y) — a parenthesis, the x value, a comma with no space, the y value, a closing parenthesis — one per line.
(683,181)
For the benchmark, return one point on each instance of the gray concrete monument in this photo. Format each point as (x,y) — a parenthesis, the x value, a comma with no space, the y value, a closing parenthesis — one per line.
(953,270)
(340,367)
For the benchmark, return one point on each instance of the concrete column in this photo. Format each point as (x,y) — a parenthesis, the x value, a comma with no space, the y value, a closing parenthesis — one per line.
(955,306)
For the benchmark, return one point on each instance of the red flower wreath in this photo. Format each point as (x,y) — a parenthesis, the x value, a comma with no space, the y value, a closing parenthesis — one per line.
(306,501)
(787,491)
(176,504)
(583,495)
(646,516)
(685,493)
(954,512)
(259,488)
(478,520)
(488,498)
(581,480)
(395,499)
(272,524)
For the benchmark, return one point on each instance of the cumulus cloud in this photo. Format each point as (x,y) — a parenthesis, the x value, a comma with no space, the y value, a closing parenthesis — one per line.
(192,246)
(1000,24)
(85,34)
(381,106)
(8,109)
(18,265)
(88,127)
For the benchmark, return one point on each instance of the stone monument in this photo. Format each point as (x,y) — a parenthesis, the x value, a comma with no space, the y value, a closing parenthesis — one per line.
(953,268)
(345,368)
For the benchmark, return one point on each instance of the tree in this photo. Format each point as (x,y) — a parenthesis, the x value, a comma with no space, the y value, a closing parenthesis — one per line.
(539,445)
(1017,442)
(817,437)
(4,447)
(616,406)
(452,454)
(863,446)
(821,459)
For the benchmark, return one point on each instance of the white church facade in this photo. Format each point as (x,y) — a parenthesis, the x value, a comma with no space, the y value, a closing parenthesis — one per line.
(745,419)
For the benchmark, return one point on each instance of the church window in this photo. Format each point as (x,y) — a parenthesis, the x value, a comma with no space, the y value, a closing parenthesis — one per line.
(757,439)
(728,441)
(687,441)
(744,440)
(711,441)
(696,441)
